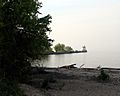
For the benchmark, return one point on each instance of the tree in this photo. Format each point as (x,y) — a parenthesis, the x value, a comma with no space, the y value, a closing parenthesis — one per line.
(62,48)
(68,49)
(50,50)
(22,35)
(59,47)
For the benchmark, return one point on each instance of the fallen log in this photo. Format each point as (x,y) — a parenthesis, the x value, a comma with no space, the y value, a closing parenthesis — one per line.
(68,66)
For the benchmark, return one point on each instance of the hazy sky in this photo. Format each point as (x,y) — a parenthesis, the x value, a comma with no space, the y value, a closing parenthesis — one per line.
(94,23)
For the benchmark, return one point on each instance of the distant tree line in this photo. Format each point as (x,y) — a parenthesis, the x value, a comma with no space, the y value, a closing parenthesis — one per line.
(61,48)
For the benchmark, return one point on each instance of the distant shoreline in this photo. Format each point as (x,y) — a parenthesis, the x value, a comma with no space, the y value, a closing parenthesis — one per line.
(71,52)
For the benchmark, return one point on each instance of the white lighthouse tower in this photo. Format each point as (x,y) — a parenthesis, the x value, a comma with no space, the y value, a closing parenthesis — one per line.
(84,49)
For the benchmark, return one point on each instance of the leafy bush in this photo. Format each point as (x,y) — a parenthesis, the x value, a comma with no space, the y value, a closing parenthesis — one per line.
(103,76)
(9,88)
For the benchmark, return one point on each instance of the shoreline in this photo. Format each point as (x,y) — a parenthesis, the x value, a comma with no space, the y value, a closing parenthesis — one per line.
(73,82)
(71,52)
(89,68)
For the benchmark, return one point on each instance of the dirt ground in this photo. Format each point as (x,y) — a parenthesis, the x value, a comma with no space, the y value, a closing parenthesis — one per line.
(72,82)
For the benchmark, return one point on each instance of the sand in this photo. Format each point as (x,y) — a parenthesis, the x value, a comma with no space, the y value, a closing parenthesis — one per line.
(73,82)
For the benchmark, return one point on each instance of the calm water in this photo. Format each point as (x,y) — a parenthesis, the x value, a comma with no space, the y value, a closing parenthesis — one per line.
(90,59)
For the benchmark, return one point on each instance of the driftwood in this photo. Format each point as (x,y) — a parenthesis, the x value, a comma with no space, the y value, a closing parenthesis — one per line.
(68,66)
(82,65)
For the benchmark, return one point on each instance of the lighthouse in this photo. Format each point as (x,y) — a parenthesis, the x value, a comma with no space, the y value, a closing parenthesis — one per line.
(84,49)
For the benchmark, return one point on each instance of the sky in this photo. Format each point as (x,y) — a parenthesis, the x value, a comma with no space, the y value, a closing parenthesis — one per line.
(93,23)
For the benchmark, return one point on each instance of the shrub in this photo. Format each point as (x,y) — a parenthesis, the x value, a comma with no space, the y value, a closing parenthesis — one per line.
(103,76)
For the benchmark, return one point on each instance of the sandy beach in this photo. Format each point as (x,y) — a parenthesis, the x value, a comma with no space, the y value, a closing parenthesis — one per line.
(72,82)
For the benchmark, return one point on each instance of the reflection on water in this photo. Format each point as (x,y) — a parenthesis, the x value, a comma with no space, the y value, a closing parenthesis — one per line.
(90,59)
(103,58)
(62,59)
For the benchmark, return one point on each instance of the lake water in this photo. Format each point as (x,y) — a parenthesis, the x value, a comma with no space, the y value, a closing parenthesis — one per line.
(90,59)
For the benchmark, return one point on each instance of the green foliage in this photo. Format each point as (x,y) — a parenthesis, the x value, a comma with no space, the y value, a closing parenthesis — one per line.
(103,76)
(59,47)
(9,88)
(62,48)
(50,49)
(68,49)
(22,35)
